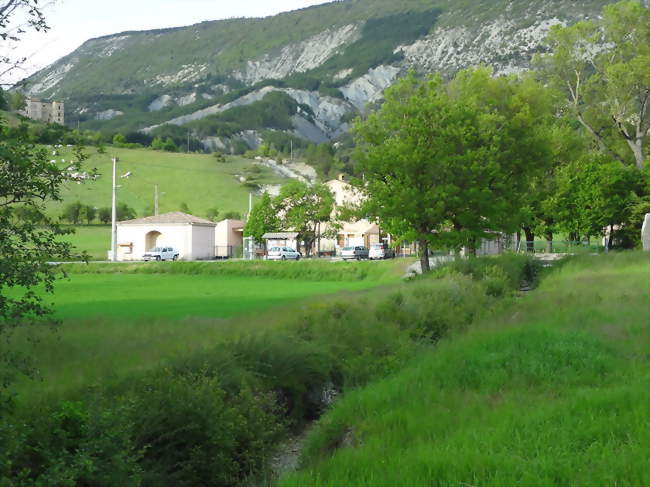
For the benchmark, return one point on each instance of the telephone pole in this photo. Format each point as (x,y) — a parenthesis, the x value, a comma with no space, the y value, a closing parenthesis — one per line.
(114,214)
(155,200)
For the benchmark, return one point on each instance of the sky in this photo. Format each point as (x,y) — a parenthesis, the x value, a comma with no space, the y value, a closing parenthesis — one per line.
(73,22)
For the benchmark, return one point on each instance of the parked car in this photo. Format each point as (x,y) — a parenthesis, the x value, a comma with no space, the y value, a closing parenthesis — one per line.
(283,253)
(351,253)
(380,251)
(161,253)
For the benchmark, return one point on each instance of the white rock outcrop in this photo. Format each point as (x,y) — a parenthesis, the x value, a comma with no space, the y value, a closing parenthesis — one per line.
(108,114)
(370,87)
(299,57)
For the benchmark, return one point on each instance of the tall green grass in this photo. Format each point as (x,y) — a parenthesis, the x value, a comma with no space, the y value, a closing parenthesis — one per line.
(388,270)
(552,392)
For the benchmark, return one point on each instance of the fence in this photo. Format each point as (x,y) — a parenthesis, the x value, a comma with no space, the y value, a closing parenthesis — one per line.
(558,247)
(229,251)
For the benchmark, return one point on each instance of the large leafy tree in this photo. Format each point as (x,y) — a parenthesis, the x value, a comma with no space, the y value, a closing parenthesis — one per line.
(449,163)
(603,67)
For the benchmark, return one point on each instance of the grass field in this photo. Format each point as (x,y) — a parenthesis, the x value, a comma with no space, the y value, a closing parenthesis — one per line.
(117,319)
(195,179)
(93,239)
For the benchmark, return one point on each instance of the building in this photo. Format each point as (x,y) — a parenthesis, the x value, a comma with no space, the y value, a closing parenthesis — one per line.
(192,236)
(229,239)
(281,239)
(348,234)
(53,112)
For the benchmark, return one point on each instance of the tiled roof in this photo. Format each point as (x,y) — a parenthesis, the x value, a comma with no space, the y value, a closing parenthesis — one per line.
(173,217)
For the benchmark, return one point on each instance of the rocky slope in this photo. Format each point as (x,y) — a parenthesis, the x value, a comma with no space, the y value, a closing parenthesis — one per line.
(333,60)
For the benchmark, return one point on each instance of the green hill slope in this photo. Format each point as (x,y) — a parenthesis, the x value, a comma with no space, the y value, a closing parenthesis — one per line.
(553,393)
(197,180)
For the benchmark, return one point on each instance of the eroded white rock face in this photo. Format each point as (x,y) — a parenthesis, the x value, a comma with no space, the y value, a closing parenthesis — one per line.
(500,44)
(187,74)
(371,86)
(300,57)
(160,103)
(108,114)
(51,78)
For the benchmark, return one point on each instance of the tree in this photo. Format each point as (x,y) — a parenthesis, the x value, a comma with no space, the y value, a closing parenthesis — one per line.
(302,208)
(169,145)
(105,215)
(72,212)
(603,67)
(184,208)
(124,212)
(262,219)
(91,214)
(231,215)
(213,214)
(31,13)
(449,164)
(157,144)
(595,196)
(28,243)
(119,140)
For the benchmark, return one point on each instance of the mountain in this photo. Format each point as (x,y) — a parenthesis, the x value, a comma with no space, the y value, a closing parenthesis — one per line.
(306,73)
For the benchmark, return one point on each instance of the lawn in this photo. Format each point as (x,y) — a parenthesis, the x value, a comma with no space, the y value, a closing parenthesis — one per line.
(197,180)
(118,319)
(93,239)
(181,296)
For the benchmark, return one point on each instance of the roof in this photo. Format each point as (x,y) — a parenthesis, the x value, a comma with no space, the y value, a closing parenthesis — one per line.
(280,236)
(175,217)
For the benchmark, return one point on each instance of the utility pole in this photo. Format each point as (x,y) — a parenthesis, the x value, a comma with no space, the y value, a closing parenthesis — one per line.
(250,205)
(155,200)
(114,214)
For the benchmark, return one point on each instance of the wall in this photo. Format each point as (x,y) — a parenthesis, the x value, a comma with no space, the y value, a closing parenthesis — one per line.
(178,236)
(202,242)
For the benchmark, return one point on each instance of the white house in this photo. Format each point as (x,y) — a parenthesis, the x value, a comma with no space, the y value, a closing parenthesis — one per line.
(229,238)
(192,236)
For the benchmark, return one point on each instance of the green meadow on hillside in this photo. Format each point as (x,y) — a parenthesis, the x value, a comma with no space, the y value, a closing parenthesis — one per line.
(552,392)
(198,180)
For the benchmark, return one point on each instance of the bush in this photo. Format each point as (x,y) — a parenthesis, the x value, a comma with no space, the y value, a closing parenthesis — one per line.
(193,433)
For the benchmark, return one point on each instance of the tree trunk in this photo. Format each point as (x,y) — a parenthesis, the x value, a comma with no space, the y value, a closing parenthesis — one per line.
(637,150)
(530,239)
(549,241)
(424,256)
(610,240)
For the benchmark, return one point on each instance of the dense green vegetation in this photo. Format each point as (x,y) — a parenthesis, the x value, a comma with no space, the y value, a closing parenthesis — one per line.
(552,391)
(271,369)
(274,111)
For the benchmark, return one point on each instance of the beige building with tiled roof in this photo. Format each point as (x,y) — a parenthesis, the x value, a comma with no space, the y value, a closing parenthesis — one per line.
(191,236)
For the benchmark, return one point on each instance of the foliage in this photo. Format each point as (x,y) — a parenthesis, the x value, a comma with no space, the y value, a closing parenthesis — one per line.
(231,215)
(77,213)
(184,208)
(602,66)
(213,214)
(263,219)
(104,215)
(124,212)
(303,208)
(27,180)
(595,195)
(273,111)
(448,164)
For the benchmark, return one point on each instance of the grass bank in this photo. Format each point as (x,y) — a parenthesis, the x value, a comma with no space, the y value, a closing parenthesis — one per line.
(554,391)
